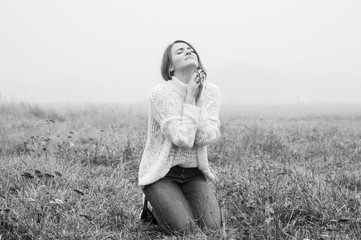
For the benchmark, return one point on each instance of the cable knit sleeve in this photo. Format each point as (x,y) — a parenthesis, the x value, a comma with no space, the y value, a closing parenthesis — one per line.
(179,127)
(208,129)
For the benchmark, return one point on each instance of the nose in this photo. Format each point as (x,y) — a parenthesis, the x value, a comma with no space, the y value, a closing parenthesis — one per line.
(188,52)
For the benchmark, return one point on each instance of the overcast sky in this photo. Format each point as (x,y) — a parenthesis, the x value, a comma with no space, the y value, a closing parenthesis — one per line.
(110,51)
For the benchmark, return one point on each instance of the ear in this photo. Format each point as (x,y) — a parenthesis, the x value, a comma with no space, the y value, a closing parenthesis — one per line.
(170,71)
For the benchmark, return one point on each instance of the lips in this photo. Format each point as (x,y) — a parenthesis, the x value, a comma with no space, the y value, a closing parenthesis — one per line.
(189,57)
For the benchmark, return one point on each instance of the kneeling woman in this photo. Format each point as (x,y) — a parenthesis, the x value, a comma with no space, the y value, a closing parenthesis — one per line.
(183,119)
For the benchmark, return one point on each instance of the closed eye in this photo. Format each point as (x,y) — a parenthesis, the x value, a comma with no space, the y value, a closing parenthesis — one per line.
(180,50)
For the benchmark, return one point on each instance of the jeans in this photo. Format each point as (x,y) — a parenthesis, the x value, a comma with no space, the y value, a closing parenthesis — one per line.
(182,199)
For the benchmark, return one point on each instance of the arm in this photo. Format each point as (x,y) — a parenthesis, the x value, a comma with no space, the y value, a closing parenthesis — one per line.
(208,129)
(180,128)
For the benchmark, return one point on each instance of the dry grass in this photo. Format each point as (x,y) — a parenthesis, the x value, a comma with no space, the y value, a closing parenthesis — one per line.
(283,173)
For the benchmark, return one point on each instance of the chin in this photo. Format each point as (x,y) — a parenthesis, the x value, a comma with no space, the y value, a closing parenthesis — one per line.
(191,65)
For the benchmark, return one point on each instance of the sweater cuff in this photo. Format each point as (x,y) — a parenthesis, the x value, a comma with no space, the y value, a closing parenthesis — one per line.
(203,116)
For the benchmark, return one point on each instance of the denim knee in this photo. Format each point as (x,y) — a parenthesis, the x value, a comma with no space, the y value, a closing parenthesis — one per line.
(170,208)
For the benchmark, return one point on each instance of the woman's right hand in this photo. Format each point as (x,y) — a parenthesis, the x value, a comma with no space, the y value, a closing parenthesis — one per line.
(194,86)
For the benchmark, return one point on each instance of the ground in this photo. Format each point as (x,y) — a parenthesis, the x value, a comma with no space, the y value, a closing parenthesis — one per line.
(284,172)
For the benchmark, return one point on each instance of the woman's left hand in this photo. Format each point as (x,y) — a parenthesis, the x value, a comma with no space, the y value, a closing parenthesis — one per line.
(200,78)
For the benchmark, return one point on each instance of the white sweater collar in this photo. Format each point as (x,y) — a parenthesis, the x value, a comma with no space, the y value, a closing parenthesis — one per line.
(180,86)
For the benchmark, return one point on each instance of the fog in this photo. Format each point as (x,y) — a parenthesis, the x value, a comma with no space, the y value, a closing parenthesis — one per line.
(301,52)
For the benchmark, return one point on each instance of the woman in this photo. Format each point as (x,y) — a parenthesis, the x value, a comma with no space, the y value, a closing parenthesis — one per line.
(183,120)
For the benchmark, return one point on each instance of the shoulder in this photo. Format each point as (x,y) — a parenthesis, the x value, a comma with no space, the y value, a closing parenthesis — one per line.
(212,89)
(160,89)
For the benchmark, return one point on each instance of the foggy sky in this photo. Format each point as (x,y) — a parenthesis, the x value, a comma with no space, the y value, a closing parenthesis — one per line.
(110,51)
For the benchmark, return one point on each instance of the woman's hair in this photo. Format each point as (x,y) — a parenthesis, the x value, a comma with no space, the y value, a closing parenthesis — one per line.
(167,60)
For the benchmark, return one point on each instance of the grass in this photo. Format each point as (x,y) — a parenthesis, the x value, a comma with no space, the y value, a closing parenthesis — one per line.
(284,173)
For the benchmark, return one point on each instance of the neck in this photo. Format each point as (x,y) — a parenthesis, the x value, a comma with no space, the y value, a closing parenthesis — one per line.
(184,75)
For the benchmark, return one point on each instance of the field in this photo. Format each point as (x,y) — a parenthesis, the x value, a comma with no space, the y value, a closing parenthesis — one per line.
(284,172)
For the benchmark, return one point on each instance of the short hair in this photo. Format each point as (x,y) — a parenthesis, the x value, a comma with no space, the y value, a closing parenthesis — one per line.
(167,60)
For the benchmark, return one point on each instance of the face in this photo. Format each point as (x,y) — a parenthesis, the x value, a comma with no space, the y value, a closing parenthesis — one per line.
(183,57)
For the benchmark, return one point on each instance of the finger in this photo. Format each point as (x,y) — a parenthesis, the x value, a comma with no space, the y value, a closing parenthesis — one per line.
(199,87)
(201,71)
(200,91)
(201,78)
(198,79)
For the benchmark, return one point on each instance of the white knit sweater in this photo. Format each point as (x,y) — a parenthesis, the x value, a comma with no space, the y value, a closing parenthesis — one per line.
(177,130)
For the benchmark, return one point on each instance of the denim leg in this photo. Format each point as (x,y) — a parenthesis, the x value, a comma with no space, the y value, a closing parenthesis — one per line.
(203,203)
(170,207)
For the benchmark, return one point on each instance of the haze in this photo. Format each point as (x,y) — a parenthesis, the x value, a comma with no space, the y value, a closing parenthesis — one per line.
(110,51)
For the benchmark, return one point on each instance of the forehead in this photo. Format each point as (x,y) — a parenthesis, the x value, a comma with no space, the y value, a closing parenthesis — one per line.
(179,45)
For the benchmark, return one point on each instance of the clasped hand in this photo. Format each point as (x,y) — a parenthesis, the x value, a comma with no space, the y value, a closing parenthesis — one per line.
(195,87)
